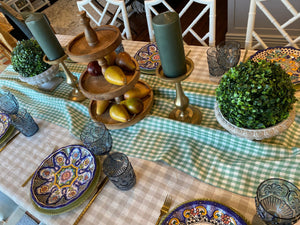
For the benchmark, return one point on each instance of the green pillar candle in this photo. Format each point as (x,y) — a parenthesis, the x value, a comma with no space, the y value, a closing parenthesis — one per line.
(43,33)
(168,36)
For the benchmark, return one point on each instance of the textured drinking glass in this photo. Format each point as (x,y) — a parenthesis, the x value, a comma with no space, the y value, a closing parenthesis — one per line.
(97,138)
(215,69)
(118,169)
(8,102)
(228,53)
(24,122)
(278,202)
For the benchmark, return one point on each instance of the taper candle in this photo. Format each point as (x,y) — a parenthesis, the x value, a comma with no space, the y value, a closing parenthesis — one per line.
(168,36)
(43,33)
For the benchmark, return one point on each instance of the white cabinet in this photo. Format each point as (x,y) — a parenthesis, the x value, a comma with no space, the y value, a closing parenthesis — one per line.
(238,16)
(27,5)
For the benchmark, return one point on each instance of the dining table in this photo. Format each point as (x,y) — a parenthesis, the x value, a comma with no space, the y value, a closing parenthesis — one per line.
(169,157)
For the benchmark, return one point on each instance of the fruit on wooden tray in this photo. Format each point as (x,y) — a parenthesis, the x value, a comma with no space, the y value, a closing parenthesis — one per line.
(138,91)
(133,105)
(110,58)
(123,60)
(94,68)
(115,75)
(101,106)
(119,113)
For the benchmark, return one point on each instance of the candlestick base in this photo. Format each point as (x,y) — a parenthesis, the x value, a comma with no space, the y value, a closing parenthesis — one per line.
(183,111)
(75,95)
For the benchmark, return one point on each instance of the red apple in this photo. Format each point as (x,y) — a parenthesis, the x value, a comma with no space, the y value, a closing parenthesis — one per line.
(94,68)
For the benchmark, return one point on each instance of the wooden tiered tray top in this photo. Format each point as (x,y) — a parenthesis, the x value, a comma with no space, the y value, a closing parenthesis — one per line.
(112,124)
(109,39)
(97,88)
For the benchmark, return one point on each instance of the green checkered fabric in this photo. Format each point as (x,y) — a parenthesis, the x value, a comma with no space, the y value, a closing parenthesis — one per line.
(206,152)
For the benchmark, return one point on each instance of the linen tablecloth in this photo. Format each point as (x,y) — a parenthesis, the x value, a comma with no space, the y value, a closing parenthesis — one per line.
(206,152)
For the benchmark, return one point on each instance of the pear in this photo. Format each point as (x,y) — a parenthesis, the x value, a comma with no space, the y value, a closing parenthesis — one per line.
(119,113)
(101,106)
(133,105)
(123,60)
(110,58)
(115,75)
(138,91)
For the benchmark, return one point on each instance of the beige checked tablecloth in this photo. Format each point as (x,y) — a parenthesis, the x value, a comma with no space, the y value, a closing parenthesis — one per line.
(140,205)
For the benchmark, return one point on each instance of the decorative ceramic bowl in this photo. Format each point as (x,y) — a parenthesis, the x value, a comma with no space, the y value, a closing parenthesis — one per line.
(202,212)
(5,123)
(45,80)
(278,202)
(65,179)
(254,134)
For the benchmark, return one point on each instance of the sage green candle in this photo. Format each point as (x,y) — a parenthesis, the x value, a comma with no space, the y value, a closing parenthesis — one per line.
(168,36)
(43,33)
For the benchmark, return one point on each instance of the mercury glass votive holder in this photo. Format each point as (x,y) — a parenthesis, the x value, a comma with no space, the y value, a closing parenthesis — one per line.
(228,53)
(278,202)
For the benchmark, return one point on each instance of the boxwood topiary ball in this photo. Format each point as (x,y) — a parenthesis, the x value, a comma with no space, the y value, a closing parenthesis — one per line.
(256,95)
(27,58)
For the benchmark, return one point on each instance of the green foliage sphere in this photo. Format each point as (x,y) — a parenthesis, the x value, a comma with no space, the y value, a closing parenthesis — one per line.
(256,95)
(27,58)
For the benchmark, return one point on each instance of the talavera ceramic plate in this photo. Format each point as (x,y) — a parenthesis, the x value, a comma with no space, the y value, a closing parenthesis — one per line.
(4,124)
(202,212)
(148,58)
(65,179)
(287,57)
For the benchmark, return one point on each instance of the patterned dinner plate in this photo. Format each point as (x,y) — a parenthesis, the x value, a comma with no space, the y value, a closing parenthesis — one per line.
(4,124)
(287,57)
(202,212)
(148,58)
(65,179)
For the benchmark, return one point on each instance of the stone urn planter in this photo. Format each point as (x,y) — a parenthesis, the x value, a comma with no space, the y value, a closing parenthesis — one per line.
(254,134)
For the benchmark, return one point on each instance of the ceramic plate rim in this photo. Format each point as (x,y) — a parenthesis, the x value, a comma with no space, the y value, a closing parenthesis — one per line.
(147,70)
(73,201)
(233,211)
(278,47)
(8,123)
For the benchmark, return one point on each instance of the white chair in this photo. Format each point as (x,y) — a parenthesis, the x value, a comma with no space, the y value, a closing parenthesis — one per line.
(149,9)
(210,5)
(282,28)
(97,14)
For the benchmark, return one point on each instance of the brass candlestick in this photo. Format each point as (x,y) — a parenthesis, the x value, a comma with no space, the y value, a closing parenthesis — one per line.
(183,111)
(75,94)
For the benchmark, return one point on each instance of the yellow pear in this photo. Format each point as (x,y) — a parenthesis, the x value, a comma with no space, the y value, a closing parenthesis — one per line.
(110,58)
(133,105)
(123,60)
(115,75)
(101,106)
(119,113)
(138,91)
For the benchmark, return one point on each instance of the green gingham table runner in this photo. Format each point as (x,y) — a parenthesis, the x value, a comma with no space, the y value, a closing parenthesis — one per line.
(205,151)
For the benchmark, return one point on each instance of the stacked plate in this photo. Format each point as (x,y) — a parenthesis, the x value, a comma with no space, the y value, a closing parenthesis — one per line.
(202,212)
(287,57)
(6,128)
(65,179)
(148,58)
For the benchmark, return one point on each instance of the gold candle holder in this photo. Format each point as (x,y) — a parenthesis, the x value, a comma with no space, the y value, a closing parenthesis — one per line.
(183,111)
(75,95)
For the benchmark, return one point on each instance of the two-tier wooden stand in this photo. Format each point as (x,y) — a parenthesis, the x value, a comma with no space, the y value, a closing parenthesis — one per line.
(94,44)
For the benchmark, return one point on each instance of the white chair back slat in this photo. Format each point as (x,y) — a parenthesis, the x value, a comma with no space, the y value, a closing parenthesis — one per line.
(290,7)
(291,40)
(97,14)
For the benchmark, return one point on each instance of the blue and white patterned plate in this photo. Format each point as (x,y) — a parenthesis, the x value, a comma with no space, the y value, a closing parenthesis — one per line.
(202,212)
(65,179)
(148,58)
(287,57)
(4,124)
